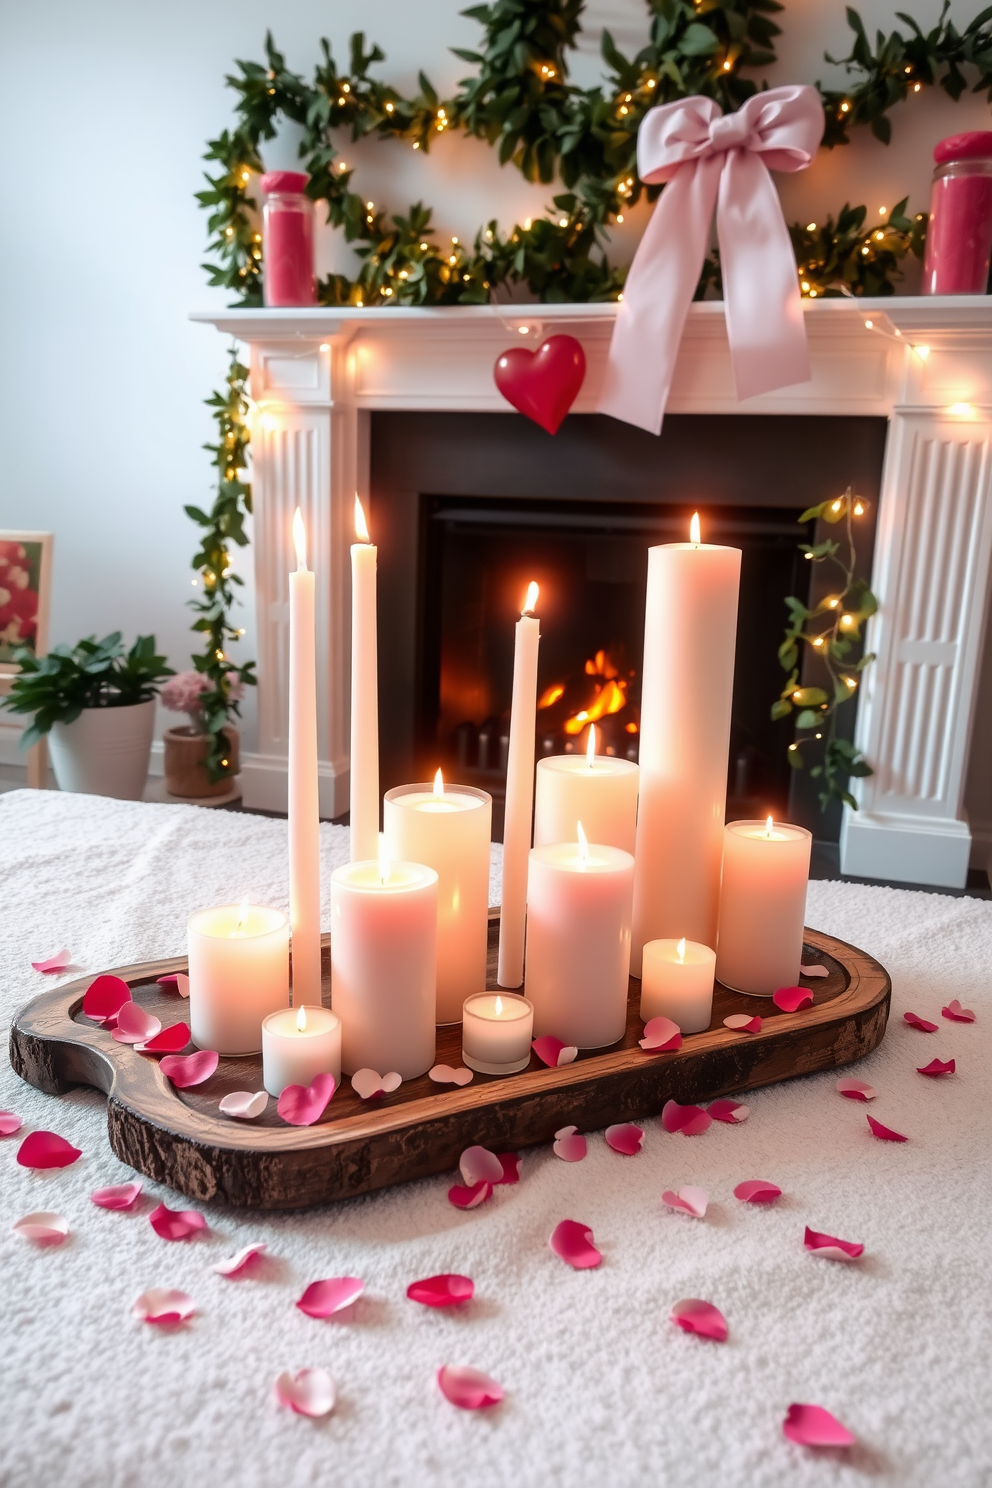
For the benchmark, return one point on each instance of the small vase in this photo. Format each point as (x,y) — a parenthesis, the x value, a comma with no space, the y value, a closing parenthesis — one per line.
(185,753)
(104,752)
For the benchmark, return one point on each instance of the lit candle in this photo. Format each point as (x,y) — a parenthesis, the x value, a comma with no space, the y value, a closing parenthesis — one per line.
(578,941)
(383,964)
(364,696)
(677,983)
(448,828)
(519,796)
(299,1043)
(238,974)
(597,790)
(304,814)
(762,905)
(496,1033)
(690,635)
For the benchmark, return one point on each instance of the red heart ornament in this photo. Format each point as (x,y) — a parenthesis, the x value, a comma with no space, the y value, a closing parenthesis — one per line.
(542,384)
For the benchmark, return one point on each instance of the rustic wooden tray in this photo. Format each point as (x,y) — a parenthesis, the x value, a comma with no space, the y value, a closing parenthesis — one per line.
(178,1137)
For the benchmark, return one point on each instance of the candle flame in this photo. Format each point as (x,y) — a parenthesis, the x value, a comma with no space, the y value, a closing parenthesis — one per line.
(531,600)
(694,533)
(583,843)
(680,949)
(361,526)
(301,1019)
(383,859)
(300,540)
(591,746)
(439,784)
(243,913)
(768,827)
(499,1007)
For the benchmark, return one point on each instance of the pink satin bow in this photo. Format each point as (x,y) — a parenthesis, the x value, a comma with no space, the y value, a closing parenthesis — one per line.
(712,159)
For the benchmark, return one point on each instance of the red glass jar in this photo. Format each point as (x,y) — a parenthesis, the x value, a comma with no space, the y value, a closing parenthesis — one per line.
(959,234)
(287,240)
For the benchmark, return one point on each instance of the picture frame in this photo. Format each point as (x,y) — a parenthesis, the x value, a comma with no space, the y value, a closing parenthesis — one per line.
(25,594)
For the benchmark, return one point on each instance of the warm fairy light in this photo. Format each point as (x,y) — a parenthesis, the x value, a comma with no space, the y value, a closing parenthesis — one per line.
(361,526)
(439,784)
(768,826)
(583,843)
(300,540)
(847,622)
(817,640)
(301,1020)
(832,602)
(869,325)
(524,330)
(680,950)
(591,746)
(694,532)
(836,505)
(960,410)
(922,352)
(859,509)
(531,600)
(850,682)
(383,859)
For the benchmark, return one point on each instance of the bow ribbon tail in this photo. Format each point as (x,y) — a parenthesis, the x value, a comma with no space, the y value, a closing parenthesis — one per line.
(657,295)
(763,305)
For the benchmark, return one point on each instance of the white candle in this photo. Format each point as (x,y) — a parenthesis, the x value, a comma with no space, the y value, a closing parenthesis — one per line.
(519,796)
(596,790)
(690,634)
(448,828)
(299,1043)
(383,962)
(364,696)
(578,941)
(762,905)
(304,814)
(497,1029)
(677,982)
(238,974)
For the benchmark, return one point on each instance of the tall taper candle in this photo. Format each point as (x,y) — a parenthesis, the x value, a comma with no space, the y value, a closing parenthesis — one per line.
(690,635)
(304,816)
(519,796)
(364,696)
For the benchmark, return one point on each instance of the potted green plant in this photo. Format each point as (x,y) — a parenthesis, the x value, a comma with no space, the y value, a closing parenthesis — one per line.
(96,704)
(187,747)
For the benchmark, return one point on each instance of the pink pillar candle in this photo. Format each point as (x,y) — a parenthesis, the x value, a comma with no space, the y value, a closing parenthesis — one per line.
(959,234)
(762,906)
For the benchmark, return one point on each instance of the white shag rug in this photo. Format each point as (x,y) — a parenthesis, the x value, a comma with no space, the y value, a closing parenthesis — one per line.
(601,1388)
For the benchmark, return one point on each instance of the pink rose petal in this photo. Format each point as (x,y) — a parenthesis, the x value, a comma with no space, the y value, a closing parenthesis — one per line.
(243,1262)
(479,1165)
(162,1305)
(169,980)
(729,1111)
(134,1025)
(570,1144)
(443,1074)
(511,1167)
(812,1426)
(936,1067)
(573,1242)
(9,1123)
(244,1105)
(104,997)
(52,965)
(467,1388)
(661,1033)
(368,1084)
(552,1052)
(692,1201)
(830,1247)
(171,1040)
(915,1021)
(42,1227)
(757,1191)
(885,1133)
(176,1224)
(691,1121)
(625,1137)
(469,1197)
(814,970)
(324,1298)
(45,1149)
(743,1023)
(791,999)
(856,1090)
(185,1070)
(446,1290)
(182,984)
(302,1105)
(702,1318)
(957,1013)
(308,1392)
(118,1195)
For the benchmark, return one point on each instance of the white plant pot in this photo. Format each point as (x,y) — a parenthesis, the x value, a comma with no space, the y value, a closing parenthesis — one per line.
(105,752)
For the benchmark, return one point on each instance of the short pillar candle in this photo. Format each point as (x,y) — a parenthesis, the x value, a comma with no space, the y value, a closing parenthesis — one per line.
(238,974)
(596,790)
(298,1044)
(677,982)
(762,906)
(497,1028)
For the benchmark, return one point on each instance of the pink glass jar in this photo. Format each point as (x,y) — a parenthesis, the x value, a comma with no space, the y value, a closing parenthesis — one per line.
(959,235)
(287,240)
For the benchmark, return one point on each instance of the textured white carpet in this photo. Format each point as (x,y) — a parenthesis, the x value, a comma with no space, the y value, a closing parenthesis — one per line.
(601,1389)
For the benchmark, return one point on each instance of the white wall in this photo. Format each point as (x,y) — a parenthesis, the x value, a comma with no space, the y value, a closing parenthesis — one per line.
(104,112)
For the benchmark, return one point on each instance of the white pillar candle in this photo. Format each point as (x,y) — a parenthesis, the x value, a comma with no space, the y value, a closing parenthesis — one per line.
(578,941)
(596,790)
(299,1043)
(677,982)
(690,635)
(519,796)
(383,963)
(238,974)
(448,828)
(364,696)
(497,1029)
(762,906)
(304,813)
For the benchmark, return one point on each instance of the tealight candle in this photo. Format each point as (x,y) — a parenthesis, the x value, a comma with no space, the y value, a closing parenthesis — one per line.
(677,983)
(496,1033)
(299,1043)
(596,790)
(762,906)
(238,974)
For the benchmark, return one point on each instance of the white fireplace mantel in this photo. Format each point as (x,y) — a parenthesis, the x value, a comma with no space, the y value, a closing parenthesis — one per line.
(925,364)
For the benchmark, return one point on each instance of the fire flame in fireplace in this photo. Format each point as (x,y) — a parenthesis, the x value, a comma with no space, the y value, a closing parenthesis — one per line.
(610,694)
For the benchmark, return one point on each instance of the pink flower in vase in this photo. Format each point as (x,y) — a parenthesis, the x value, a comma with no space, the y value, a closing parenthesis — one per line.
(182,694)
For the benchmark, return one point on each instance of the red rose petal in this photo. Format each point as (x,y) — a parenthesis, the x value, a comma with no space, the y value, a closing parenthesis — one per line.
(915,1021)
(135,1025)
(689,1120)
(467,1388)
(171,1040)
(117,1196)
(308,1392)
(324,1298)
(447,1290)
(552,1052)
(176,1224)
(302,1105)
(511,1168)
(741,1023)
(45,1149)
(757,1191)
(729,1111)
(856,1090)
(570,1144)
(957,1013)
(661,1033)
(695,1316)
(104,997)
(9,1123)
(692,1201)
(573,1242)
(471,1196)
(625,1137)
(830,1247)
(52,965)
(185,1070)
(479,1165)
(937,1067)
(162,1305)
(791,999)
(812,1426)
(885,1133)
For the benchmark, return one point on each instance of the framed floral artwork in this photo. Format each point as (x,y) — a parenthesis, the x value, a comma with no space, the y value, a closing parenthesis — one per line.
(25,586)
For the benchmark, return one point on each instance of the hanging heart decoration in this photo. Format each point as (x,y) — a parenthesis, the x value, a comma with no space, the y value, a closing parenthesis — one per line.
(542,384)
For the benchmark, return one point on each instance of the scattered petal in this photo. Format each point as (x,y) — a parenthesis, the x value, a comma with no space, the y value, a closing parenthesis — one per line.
(118,1195)
(814,970)
(104,997)
(52,965)
(689,1120)
(470,1197)
(915,1021)
(302,1105)
(856,1090)
(936,1067)
(169,980)
(368,1083)
(812,1426)
(479,1165)
(442,1291)
(9,1123)
(308,1392)
(694,1316)
(185,1070)
(171,1040)
(957,1013)
(757,1191)
(244,1261)
(245,1105)
(45,1149)
(791,999)
(743,1023)
(570,1144)
(176,1224)
(885,1133)
(661,1033)
(552,1051)
(182,984)
(323,1298)
(467,1388)
(443,1074)
(511,1167)
(43,1227)
(162,1305)
(135,1026)
(625,1137)
(729,1111)
(573,1242)
(830,1247)
(692,1201)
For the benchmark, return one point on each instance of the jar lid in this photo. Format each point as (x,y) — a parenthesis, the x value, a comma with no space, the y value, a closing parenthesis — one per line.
(297,180)
(976,145)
